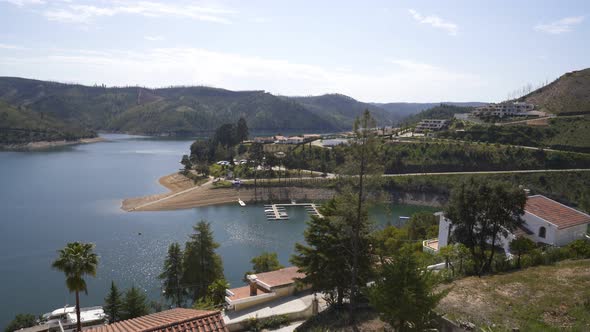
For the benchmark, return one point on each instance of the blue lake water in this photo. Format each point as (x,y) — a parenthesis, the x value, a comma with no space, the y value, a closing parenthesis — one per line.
(74,194)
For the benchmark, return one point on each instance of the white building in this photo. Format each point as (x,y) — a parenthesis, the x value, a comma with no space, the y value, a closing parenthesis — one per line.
(504,109)
(431,125)
(545,221)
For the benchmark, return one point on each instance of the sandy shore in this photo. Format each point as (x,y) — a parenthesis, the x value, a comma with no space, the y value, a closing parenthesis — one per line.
(183,194)
(41,145)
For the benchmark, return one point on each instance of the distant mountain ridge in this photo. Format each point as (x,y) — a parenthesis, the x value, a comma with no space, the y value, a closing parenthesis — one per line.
(80,110)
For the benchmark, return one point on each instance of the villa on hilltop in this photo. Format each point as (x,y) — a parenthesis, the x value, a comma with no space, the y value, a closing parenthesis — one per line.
(544,221)
(505,109)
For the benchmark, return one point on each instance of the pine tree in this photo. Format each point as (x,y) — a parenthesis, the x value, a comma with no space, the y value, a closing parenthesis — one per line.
(113,304)
(135,304)
(172,274)
(202,266)
(404,293)
(242,130)
(326,259)
(362,163)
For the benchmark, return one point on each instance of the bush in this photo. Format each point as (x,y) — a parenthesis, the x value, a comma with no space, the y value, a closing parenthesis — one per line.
(21,321)
(579,249)
(272,322)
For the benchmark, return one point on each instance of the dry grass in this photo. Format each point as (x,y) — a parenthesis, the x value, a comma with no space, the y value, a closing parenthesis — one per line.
(544,298)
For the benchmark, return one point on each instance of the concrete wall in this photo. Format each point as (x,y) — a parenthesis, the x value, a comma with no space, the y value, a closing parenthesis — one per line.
(444,226)
(534,223)
(292,317)
(567,235)
(254,301)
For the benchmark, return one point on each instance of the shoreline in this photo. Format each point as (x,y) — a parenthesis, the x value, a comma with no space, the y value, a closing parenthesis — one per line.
(43,145)
(184,194)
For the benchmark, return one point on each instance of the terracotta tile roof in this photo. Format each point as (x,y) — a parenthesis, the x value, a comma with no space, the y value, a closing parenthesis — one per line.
(244,292)
(556,213)
(174,320)
(280,277)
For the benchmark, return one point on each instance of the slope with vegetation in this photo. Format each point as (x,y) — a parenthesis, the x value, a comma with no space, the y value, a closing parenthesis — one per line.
(19,126)
(563,133)
(442,111)
(567,95)
(544,298)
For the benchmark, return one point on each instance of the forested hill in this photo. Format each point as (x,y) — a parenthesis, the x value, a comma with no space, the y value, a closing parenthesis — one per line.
(441,111)
(80,110)
(341,110)
(568,95)
(170,111)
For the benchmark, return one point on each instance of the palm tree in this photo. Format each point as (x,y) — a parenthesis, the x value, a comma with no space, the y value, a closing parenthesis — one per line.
(77,260)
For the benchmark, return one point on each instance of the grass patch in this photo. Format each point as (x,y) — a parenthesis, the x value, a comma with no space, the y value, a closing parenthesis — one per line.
(543,298)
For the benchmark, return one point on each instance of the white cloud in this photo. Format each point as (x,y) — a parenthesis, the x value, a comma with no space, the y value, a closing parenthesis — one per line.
(560,26)
(22,3)
(153,38)
(401,80)
(76,13)
(436,22)
(11,47)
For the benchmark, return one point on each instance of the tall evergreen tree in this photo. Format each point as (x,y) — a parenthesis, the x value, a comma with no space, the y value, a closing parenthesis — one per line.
(135,304)
(326,258)
(113,304)
(172,275)
(202,265)
(362,163)
(241,130)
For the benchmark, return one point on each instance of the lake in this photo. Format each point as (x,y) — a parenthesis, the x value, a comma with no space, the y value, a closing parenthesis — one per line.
(74,194)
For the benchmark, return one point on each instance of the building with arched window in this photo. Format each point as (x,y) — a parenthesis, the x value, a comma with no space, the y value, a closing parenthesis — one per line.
(545,221)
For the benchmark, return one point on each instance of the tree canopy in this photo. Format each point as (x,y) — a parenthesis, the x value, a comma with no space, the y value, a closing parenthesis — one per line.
(201,264)
(481,212)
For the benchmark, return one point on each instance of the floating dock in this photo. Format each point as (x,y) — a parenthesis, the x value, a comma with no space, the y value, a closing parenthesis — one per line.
(277,211)
(274,212)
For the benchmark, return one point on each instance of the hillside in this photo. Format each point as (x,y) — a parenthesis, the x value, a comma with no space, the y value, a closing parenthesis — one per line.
(171,111)
(519,300)
(568,95)
(403,110)
(442,111)
(19,126)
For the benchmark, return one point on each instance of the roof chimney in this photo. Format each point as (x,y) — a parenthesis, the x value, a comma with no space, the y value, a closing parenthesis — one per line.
(253,286)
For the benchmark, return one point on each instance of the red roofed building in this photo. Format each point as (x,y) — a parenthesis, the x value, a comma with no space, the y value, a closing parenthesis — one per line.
(264,287)
(174,320)
(552,222)
(545,221)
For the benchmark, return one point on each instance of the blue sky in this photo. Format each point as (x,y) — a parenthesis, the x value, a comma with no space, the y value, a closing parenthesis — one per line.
(382,51)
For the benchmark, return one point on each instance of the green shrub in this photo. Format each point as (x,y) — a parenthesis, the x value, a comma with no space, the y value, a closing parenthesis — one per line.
(272,322)
(579,249)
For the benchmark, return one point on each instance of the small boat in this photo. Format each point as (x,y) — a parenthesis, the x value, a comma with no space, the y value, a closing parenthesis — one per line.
(64,319)
(241,202)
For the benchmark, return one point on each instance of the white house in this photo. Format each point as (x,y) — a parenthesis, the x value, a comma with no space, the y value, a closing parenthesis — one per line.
(545,221)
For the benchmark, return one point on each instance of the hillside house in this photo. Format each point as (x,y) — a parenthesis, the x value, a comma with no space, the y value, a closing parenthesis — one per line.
(545,221)
(264,140)
(431,125)
(504,109)
(264,287)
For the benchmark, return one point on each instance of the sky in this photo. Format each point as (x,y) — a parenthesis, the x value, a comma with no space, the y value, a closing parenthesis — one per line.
(373,51)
